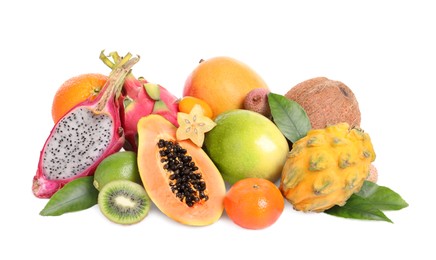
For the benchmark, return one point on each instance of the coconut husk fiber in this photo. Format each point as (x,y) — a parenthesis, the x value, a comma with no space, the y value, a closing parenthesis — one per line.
(326,102)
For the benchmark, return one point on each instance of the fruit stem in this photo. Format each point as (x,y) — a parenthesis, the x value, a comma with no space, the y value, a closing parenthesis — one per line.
(132,84)
(117,59)
(116,79)
(106,61)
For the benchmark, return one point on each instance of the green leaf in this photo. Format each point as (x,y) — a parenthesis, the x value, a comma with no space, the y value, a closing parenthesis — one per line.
(76,195)
(358,208)
(289,117)
(381,197)
(369,202)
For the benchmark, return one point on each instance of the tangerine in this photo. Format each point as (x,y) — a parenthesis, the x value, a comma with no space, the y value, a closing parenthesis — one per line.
(254,203)
(75,90)
(187,103)
(222,82)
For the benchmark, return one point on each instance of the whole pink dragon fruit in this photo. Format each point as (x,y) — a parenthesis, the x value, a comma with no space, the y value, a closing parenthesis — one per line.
(83,137)
(141,98)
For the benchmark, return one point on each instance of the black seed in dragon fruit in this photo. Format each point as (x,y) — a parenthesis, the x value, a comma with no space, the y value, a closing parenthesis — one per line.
(83,137)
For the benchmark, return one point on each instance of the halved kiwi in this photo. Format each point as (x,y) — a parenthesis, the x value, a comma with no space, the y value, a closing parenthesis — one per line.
(124,202)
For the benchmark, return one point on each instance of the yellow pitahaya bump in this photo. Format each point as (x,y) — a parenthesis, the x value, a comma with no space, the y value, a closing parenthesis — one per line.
(326,167)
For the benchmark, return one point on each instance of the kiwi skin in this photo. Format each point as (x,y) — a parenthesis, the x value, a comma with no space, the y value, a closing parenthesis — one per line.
(124,202)
(257,101)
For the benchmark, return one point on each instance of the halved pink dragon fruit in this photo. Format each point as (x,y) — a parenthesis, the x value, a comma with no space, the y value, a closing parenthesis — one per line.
(141,98)
(83,137)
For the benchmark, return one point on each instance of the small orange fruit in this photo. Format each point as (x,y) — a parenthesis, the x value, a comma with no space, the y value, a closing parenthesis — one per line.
(75,90)
(187,103)
(254,203)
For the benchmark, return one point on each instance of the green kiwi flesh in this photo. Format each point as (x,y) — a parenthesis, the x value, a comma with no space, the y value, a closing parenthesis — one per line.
(124,202)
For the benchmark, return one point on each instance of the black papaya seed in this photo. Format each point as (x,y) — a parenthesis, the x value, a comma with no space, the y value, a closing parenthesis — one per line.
(184,176)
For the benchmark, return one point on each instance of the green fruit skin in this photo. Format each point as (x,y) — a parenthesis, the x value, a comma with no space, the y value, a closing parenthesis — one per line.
(246,144)
(118,166)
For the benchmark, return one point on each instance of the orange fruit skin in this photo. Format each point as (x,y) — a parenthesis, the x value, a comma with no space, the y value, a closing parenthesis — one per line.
(75,90)
(222,82)
(254,203)
(186,104)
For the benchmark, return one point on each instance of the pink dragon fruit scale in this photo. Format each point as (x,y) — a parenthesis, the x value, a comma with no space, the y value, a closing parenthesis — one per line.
(140,98)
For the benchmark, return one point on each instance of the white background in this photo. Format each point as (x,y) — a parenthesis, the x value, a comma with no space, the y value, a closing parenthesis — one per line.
(383,50)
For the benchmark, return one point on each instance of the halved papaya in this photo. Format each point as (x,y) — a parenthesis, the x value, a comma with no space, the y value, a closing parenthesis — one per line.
(180,178)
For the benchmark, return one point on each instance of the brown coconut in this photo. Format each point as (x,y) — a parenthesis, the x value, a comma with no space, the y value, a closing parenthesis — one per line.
(326,102)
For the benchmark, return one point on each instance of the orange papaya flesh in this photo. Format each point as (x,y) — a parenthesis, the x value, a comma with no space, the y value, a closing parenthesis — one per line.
(199,205)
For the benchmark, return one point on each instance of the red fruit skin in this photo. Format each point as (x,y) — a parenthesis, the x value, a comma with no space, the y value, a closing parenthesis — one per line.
(42,187)
(45,188)
(173,108)
(142,105)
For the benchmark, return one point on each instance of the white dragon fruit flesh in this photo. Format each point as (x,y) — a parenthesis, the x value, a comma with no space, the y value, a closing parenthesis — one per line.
(83,137)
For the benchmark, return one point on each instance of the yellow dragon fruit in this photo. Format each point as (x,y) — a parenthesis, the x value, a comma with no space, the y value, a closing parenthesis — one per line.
(326,167)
